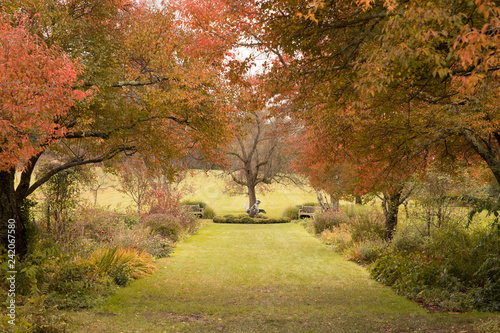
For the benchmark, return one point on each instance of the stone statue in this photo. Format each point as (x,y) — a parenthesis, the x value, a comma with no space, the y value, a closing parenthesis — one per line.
(254,210)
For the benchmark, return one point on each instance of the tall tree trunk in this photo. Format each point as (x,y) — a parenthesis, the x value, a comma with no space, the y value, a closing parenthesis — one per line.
(252,196)
(10,209)
(390,206)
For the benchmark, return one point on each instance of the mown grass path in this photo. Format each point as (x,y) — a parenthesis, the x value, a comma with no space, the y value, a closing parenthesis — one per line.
(261,278)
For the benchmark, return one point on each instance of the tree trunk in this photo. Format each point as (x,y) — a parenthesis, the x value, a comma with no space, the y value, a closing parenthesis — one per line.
(10,208)
(252,197)
(390,206)
(485,150)
(358,200)
(335,203)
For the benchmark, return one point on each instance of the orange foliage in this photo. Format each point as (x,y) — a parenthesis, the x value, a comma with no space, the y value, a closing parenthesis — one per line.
(35,88)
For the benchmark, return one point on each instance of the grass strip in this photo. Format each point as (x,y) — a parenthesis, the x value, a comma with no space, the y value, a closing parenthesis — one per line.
(261,278)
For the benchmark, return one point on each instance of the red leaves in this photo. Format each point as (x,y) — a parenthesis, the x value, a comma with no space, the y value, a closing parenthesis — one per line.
(35,87)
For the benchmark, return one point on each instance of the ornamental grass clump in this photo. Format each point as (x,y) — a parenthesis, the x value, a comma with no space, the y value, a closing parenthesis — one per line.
(122,264)
(339,238)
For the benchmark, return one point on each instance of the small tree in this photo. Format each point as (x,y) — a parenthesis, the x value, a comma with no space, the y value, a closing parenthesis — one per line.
(98,183)
(135,180)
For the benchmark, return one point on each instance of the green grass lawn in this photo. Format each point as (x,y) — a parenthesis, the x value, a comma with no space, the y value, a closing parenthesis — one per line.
(261,278)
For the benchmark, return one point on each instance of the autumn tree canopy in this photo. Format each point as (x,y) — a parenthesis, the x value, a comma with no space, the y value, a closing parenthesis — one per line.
(36,87)
(394,84)
(157,88)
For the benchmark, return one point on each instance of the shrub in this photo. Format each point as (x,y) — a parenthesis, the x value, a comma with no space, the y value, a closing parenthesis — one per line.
(365,252)
(164,225)
(488,298)
(141,239)
(291,212)
(339,238)
(407,239)
(464,250)
(130,220)
(419,276)
(244,219)
(368,226)
(329,220)
(97,223)
(77,287)
(209,213)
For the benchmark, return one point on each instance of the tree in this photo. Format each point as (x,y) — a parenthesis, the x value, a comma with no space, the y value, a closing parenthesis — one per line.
(340,166)
(36,87)
(257,155)
(413,80)
(98,182)
(158,90)
(135,180)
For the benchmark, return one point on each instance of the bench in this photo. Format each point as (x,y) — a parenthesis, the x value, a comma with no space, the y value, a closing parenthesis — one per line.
(196,210)
(308,211)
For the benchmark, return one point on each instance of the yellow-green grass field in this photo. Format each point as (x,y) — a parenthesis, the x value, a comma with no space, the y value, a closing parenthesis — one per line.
(209,188)
(262,278)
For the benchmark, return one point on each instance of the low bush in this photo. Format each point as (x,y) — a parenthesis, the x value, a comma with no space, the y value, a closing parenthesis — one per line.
(164,225)
(365,252)
(339,238)
(329,220)
(458,268)
(140,238)
(130,220)
(97,223)
(310,204)
(291,212)
(244,219)
(407,239)
(367,226)
(77,287)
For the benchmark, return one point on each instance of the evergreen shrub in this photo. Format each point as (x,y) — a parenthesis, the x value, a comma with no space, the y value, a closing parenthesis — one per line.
(244,219)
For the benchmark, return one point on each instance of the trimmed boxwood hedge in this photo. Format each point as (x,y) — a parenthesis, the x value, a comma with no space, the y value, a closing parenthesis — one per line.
(245,219)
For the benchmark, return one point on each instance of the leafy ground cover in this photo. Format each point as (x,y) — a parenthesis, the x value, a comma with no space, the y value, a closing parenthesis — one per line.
(262,278)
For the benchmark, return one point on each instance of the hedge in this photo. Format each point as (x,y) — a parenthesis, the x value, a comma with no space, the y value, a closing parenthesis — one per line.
(248,220)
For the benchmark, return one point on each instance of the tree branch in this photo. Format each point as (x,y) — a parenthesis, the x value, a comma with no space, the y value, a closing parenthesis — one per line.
(73,163)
